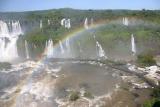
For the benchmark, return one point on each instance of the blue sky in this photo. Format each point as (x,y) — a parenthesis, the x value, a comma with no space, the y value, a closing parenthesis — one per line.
(26,5)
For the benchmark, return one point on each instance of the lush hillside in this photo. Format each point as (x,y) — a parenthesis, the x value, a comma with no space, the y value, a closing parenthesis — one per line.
(78,14)
(145,26)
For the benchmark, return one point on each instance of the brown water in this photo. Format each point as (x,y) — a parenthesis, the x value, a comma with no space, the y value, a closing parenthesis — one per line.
(45,85)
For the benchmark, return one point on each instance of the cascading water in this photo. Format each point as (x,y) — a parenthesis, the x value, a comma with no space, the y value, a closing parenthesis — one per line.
(69,23)
(16,28)
(49,48)
(4,31)
(100,51)
(133,45)
(86,23)
(125,21)
(62,51)
(63,22)
(8,40)
(66,23)
(40,24)
(49,22)
(61,47)
(27,51)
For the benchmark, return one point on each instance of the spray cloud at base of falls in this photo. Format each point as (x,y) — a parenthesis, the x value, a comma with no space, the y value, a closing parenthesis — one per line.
(61,47)
(80,48)
(68,45)
(8,40)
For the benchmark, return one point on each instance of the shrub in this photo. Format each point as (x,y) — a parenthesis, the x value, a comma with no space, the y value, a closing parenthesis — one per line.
(156,93)
(146,60)
(88,95)
(74,96)
(152,103)
(156,104)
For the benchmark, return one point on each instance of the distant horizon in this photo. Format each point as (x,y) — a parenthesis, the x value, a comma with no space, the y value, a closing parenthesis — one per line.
(75,9)
(36,5)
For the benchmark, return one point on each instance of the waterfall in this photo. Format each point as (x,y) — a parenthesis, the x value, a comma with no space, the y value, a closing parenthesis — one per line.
(41,24)
(61,47)
(16,28)
(49,22)
(4,31)
(8,50)
(63,22)
(68,45)
(9,23)
(8,40)
(34,46)
(125,21)
(66,23)
(133,45)
(49,48)
(27,51)
(86,23)
(99,49)
(101,52)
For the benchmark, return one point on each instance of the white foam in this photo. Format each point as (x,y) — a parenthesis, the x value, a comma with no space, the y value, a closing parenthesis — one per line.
(56,69)
(39,89)
(140,85)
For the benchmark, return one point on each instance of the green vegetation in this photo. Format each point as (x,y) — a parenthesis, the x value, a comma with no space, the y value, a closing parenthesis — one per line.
(88,95)
(109,35)
(150,15)
(155,102)
(156,93)
(5,65)
(152,103)
(146,29)
(146,60)
(74,95)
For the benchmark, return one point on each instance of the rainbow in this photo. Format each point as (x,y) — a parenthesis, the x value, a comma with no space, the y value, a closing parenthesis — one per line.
(80,30)
(74,34)
(42,58)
